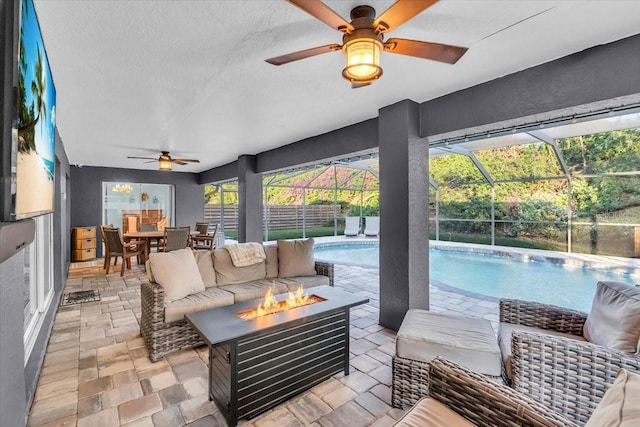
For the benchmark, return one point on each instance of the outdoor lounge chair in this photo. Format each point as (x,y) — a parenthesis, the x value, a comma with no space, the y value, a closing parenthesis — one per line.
(372,226)
(549,357)
(351,225)
(461,397)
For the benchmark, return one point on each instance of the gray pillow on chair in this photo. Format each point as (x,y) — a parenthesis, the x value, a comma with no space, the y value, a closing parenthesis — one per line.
(614,319)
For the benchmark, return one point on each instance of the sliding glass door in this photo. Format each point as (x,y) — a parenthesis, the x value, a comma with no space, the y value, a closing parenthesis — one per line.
(128,205)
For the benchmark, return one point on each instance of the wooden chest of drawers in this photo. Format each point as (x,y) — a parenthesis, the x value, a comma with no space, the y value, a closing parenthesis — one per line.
(83,240)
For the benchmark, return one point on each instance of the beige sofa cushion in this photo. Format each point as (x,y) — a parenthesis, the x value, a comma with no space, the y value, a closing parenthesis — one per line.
(227,273)
(506,332)
(307,282)
(295,258)
(177,273)
(204,259)
(271,251)
(209,298)
(425,335)
(254,290)
(428,412)
(614,319)
(620,405)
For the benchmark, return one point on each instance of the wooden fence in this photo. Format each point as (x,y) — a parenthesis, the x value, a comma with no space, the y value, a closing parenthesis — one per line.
(280,217)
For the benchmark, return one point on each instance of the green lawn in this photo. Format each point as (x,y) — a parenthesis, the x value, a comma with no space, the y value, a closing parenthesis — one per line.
(291,234)
(297,233)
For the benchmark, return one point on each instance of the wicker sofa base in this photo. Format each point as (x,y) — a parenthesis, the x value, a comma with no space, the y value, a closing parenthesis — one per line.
(411,379)
(163,338)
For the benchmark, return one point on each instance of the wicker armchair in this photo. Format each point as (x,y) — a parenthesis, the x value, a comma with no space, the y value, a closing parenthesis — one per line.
(567,375)
(481,401)
(163,338)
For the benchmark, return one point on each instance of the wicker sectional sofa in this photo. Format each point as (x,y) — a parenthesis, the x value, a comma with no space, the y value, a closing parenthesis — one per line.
(162,323)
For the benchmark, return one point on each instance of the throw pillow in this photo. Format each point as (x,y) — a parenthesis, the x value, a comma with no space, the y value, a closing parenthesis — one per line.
(614,319)
(177,273)
(620,405)
(204,259)
(295,258)
(271,252)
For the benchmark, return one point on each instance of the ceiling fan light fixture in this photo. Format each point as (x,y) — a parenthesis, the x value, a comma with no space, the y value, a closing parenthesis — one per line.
(164,164)
(363,60)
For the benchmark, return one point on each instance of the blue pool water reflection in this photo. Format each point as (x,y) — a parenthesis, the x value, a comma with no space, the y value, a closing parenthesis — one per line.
(493,275)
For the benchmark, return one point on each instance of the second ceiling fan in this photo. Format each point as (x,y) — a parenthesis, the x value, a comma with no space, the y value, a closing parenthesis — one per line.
(165,161)
(363,38)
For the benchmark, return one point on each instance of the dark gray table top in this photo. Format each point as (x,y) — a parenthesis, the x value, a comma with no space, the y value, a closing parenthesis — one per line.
(222,324)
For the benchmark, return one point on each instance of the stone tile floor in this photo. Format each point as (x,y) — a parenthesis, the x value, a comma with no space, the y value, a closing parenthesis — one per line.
(97,372)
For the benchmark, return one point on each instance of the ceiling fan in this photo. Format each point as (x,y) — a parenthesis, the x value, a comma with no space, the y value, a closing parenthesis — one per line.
(165,160)
(363,38)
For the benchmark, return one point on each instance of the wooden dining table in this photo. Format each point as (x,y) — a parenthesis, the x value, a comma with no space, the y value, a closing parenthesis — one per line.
(147,237)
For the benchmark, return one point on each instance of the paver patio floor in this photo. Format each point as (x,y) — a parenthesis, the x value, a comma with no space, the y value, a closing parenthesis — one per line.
(97,372)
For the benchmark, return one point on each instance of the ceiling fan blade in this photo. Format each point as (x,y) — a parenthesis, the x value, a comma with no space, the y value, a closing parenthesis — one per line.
(324,13)
(178,162)
(434,51)
(186,160)
(141,158)
(302,54)
(399,13)
(359,85)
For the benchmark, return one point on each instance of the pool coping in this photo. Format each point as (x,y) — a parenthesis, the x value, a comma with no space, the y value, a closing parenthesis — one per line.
(622,265)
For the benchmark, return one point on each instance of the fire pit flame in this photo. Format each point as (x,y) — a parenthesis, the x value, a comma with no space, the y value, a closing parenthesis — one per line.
(271,305)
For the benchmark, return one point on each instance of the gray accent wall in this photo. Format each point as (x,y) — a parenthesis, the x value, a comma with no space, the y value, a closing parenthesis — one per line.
(86,193)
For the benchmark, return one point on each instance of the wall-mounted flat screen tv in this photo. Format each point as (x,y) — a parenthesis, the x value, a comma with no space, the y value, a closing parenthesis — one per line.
(34,136)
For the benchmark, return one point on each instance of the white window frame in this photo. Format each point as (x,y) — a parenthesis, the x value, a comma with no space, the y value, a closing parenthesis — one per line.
(41,281)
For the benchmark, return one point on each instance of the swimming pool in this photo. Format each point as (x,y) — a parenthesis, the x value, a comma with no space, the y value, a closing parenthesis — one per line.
(493,275)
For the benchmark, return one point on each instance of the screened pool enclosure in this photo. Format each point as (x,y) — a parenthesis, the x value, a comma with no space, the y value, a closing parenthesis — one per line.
(572,187)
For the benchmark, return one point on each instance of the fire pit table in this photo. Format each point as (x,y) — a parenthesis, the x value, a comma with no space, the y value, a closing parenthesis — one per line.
(256,364)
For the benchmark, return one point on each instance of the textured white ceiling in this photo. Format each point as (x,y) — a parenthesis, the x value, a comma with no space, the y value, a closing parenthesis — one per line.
(137,77)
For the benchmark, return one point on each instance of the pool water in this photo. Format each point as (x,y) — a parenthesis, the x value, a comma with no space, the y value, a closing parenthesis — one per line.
(492,275)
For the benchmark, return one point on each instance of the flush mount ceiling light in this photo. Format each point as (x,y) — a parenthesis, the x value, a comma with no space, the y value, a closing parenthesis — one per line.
(363,39)
(165,161)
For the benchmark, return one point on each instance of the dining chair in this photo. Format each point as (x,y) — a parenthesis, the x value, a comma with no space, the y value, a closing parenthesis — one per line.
(106,247)
(116,247)
(176,238)
(204,240)
(153,243)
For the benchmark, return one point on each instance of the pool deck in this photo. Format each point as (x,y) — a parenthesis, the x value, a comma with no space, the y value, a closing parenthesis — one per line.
(96,370)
